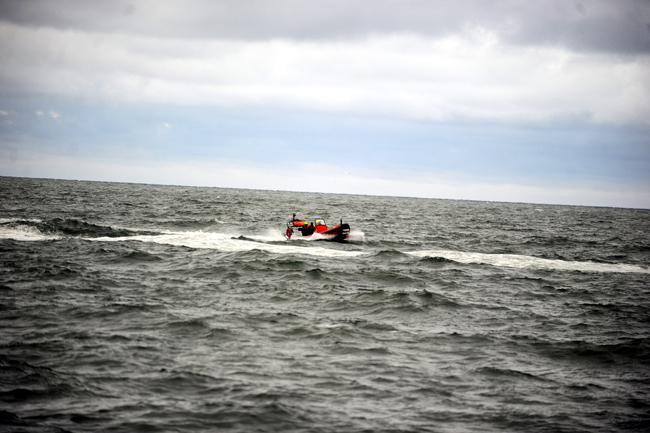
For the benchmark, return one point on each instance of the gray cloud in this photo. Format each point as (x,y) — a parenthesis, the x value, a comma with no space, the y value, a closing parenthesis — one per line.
(585,25)
(466,76)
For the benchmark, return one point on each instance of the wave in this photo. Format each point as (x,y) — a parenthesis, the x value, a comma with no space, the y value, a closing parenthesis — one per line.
(14,220)
(23,381)
(16,230)
(74,227)
(272,241)
(390,254)
(406,300)
(636,349)
(508,373)
(191,223)
(528,262)
(32,229)
(227,243)
(137,256)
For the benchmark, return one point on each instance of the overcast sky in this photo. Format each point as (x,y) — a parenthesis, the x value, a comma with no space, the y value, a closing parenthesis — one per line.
(534,101)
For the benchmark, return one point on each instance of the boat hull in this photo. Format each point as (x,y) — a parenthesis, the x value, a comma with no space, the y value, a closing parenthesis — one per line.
(338,233)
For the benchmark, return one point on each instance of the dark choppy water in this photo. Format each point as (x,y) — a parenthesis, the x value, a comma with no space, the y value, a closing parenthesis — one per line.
(133,308)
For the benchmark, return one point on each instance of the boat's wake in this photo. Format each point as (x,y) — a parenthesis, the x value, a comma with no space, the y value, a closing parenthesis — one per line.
(228,243)
(527,262)
(32,230)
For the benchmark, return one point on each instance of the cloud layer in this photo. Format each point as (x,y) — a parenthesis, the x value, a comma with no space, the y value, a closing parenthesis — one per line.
(470,75)
(598,25)
(585,60)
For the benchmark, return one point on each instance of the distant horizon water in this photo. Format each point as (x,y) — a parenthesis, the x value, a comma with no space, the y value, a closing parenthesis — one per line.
(324,192)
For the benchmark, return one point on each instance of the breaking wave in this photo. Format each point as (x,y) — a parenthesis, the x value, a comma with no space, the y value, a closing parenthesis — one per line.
(36,229)
(23,230)
(527,262)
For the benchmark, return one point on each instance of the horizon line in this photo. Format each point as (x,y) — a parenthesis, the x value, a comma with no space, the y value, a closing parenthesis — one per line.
(323,192)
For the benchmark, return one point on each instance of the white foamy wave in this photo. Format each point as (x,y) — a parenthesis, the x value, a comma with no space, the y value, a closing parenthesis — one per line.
(226,243)
(17,220)
(21,232)
(270,235)
(311,238)
(357,236)
(529,262)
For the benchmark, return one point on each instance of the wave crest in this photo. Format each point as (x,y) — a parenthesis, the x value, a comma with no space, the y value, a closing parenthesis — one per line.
(528,262)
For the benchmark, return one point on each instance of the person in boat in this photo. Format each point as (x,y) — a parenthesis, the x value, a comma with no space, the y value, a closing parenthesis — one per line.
(296,222)
(320,225)
(308,229)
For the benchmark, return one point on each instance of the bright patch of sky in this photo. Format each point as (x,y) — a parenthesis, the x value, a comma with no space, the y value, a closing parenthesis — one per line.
(408,98)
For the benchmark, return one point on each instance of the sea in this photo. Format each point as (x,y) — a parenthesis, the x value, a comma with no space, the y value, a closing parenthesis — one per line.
(147,308)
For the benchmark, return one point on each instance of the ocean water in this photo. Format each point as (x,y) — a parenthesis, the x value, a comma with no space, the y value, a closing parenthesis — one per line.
(142,308)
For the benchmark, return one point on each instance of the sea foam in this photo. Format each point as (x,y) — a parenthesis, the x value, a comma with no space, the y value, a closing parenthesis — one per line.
(529,262)
(19,229)
(229,243)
